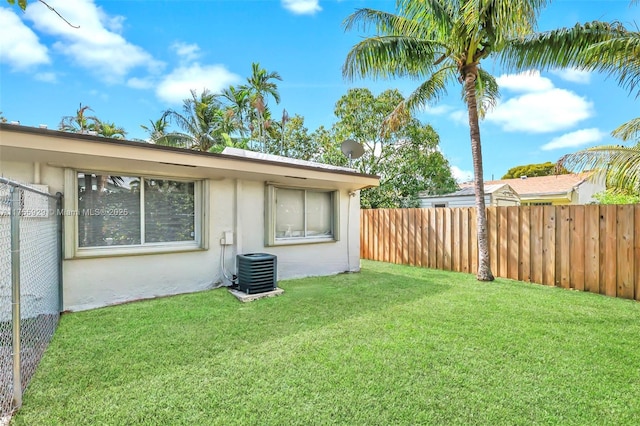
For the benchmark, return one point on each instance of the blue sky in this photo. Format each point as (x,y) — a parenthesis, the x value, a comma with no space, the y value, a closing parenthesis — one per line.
(131,60)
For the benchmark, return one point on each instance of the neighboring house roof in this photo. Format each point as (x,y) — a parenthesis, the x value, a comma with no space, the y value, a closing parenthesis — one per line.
(88,152)
(468,191)
(539,185)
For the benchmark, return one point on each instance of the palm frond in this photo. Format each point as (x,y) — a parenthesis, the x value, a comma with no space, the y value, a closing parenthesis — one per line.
(487,92)
(559,48)
(619,165)
(398,56)
(628,131)
(619,57)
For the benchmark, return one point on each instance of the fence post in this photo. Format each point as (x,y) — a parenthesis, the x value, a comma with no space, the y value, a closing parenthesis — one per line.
(15,293)
(60,216)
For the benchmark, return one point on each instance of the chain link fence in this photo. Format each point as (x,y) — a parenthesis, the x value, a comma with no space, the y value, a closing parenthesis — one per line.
(30,283)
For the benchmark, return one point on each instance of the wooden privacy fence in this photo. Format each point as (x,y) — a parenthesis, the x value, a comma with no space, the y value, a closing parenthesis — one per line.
(593,248)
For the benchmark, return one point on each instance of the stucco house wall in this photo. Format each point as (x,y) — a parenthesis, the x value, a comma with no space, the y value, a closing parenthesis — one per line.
(233,201)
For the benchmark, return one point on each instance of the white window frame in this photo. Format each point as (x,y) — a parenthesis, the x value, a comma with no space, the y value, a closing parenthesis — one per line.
(72,247)
(270,218)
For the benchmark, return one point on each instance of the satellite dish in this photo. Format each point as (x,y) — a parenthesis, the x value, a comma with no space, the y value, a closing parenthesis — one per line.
(351,149)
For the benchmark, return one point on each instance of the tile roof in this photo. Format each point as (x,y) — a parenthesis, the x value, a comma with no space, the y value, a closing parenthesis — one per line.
(540,184)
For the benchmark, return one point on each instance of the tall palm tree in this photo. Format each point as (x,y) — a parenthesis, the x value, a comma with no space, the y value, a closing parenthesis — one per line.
(202,121)
(260,86)
(440,42)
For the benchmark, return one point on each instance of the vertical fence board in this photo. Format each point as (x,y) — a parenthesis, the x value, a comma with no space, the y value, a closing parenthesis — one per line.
(513,236)
(364,233)
(411,236)
(524,267)
(455,239)
(425,238)
(433,238)
(464,240)
(608,250)
(537,238)
(375,232)
(563,247)
(592,249)
(447,246)
(473,241)
(440,238)
(418,236)
(405,236)
(393,241)
(577,256)
(636,245)
(624,250)
(387,235)
(549,246)
(492,236)
(503,243)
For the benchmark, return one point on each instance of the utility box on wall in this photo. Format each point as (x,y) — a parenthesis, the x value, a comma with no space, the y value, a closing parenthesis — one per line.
(257,272)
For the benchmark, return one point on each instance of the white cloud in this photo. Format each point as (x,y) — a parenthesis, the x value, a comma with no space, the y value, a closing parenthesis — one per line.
(438,109)
(96,45)
(529,81)
(541,112)
(460,116)
(140,83)
(176,86)
(573,75)
(575,139)
(302,7)
(461,175)
(186,52)
(19,45)
(47,77)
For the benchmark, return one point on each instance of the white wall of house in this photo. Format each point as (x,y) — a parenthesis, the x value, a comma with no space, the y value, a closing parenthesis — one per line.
(234,205)
(453,201)
(585,191)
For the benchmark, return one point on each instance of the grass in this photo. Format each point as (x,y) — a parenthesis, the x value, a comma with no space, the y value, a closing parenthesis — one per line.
(390,345)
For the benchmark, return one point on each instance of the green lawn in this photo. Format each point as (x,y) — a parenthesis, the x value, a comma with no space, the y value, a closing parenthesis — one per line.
(390,345)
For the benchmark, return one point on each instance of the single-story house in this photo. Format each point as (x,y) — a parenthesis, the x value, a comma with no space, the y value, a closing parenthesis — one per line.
(142,220)
(575,188)
(494,195)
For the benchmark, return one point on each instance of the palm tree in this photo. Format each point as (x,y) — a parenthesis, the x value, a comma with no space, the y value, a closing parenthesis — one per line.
(260,86)
(159,134)
(203,122)
(237,103)
(110,130)
(445,41)
(80,123)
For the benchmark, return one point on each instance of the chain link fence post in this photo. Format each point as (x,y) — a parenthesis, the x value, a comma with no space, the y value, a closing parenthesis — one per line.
(14,214)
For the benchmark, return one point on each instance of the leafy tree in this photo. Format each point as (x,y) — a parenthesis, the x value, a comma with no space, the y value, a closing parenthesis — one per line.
(445,41)
(612,196)
(531,170)
(295,142)
(406,158)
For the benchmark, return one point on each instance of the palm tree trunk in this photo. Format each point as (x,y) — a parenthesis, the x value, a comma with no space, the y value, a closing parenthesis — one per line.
(484,267)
